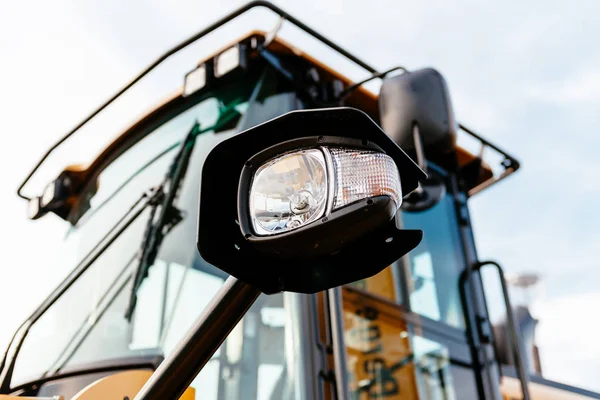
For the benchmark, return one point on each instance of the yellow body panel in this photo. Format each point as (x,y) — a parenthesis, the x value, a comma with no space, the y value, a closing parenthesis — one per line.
(511,390)
(381,285)
(120,385)
(113,387)
(9,397)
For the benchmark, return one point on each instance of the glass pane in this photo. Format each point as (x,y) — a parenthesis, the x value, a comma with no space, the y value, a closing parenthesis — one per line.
(87,324)
(433,364)
(55,337)
(434,267)
(260,358)
(431,270)
(386,359)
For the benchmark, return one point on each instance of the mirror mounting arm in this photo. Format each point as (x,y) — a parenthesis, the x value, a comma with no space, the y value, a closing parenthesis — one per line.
(421,161)
(217,320)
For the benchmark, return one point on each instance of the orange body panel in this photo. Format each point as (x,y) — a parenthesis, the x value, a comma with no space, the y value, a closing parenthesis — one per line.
(121,385)
(376,340)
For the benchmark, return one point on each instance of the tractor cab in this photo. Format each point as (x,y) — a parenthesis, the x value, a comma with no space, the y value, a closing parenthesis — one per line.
(417,328)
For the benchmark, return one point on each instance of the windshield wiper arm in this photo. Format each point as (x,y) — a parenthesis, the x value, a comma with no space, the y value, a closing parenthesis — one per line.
(168,217)
(153,236)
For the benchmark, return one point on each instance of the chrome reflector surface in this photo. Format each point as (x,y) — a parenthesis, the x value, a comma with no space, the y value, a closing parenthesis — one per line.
(298,188)
(288,192)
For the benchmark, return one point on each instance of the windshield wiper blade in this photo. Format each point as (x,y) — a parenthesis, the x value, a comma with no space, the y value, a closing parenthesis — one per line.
(89,214)
(151,243)
(168,217)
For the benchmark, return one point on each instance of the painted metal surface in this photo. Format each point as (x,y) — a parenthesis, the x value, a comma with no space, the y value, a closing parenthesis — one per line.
(120,386)
(511,390)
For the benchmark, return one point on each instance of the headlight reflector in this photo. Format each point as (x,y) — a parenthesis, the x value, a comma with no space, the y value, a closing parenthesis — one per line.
(297,188)
(288,192)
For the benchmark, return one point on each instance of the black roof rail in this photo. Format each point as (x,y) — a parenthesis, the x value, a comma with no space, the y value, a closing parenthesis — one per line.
(251,5)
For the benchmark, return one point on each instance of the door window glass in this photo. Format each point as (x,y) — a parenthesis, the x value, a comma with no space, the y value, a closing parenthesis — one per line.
(384,284)
(432,270)
(260,359)
(433,364)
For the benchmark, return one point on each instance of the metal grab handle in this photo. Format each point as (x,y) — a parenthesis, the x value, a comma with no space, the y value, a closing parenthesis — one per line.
(513,328)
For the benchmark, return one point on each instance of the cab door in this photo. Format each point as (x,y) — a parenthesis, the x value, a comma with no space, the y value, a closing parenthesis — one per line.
(406,333)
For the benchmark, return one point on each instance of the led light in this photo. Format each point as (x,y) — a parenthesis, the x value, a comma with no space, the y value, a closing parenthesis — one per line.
(288,192)
(360,174)
(33,207)
(48,194)
(227,61)
(194,80)
(34,211)
(298,188)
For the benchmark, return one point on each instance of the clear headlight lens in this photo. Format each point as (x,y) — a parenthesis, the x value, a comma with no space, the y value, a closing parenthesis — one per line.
(194,80)
(361,173)
(298,188)
(227,61)
(33,208)
(48,194)
(289,192)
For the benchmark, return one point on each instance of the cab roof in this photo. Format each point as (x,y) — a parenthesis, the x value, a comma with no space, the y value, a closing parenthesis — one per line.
(360,98)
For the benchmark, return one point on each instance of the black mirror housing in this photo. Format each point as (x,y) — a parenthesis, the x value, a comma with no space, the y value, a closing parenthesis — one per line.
(418,97)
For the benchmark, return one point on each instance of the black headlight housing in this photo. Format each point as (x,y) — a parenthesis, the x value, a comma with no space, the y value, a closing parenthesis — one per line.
(353,243)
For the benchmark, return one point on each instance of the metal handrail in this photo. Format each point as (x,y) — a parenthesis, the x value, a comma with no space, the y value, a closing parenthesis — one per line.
(181,46)
(513,327)
(510,163)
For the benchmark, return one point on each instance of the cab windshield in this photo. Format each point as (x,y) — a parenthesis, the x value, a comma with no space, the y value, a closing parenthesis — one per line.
(87,326)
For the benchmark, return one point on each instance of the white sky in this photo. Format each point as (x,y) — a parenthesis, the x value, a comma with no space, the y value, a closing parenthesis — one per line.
(525,75)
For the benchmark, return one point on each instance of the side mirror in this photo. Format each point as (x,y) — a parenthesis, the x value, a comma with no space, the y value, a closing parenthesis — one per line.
(416,112)
(418,98)
(306,202)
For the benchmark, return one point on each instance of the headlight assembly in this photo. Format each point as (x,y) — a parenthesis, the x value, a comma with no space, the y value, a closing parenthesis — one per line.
(295,189)
(306,201)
